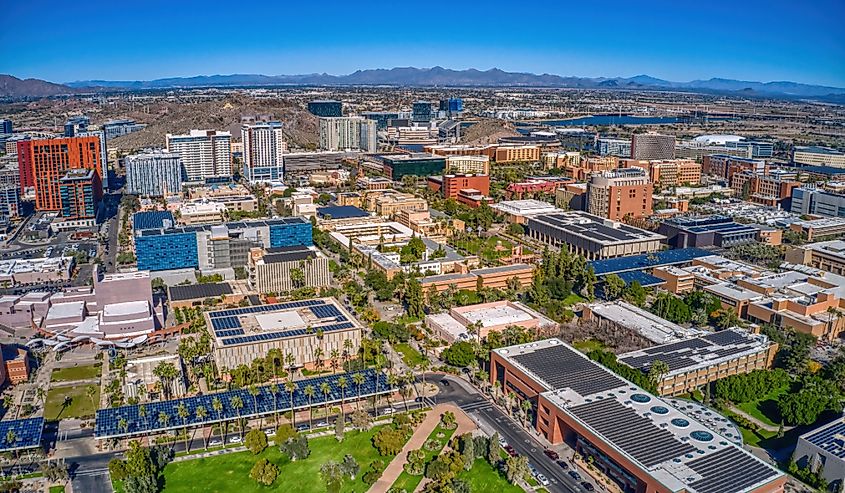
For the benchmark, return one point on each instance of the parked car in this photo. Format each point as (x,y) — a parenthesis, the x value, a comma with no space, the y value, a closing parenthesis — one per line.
(543,480)
(303,427)
(502,442)
(532,469)
(563,465)
(269,432)
(574,475)
(387,410)
(321,424)
(551,454)
(587,486)
(235,439)
(511,451)
(215,443)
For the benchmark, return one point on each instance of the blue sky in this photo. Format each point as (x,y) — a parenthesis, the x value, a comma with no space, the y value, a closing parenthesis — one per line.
(801,41)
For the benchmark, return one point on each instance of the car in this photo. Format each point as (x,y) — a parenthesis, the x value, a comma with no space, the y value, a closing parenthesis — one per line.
(445,382)
(502,442)
(574,475)
(563,465)
(303,427)
(543,480)
(551,454)
(215,443)
(510,450)
(387,410)
(235,439)
(321,424)
(532,469)
(587,486)
(269,432)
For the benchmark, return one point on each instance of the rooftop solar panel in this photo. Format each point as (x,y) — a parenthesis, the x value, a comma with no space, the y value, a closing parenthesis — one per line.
(641,262)
(562,367)
(829,439)
(26,433)
(729,470)
(633,434)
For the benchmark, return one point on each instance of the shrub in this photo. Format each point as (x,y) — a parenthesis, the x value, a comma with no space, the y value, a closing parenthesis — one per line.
(255,441)
(264,472)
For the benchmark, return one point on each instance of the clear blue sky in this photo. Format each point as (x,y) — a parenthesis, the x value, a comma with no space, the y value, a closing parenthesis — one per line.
(797,40)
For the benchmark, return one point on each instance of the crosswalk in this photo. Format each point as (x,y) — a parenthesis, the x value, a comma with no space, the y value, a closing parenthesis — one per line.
(473,406)
(93,472)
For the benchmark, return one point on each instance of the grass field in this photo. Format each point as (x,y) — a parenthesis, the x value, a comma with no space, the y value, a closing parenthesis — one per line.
(766,408)
(482,477)
(230,472)
(57,489)
(409,482)
(80,404)
(75,373)
(410,356)
(588,345)
(572,299)
(486,248)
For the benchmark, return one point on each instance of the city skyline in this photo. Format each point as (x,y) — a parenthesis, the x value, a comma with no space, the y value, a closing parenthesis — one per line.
(668,41)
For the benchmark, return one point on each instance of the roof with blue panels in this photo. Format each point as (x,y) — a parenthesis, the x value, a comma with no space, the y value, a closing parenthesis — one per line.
(647,261)
(152,220)
(645,280)
(110,421)
(342,212)
(26,432)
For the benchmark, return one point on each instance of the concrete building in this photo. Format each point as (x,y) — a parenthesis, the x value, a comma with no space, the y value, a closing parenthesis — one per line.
(561,160)
(468,165)
(490,277)
(419,164)
(202,211)
(818,156)
(351,132)
(140,372)
(36,270)
(652,145)
(696,362)
(81,191)
(390,204)
(517,153)
(14,364)
(488,150)
(477,321)
(650,328)
(828,256)
(724,166)
(823,449)
(606,146)
(814,201)
(450,186)
(667,173)
(774,188)
(297,328)
(518,211)
(707,231)
(10,202)
(234,196)
(154,173)
(270,270)
(44,162)
(819,228)
(591,236)
(264,149)
(620,193)
(205,153)
(641,442)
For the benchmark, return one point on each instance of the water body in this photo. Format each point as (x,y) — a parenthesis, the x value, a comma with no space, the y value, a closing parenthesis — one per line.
(616,120)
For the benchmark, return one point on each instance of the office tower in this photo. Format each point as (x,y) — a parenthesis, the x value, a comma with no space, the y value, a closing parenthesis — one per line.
(49,160)
(421,112)
(613,147)
(117,128)
(652,146)
(80,191)
(154,173)
(818,156)
(27,178)
(380,117)
(452,105)
(205,153)
(76,124)
(619,193)
(5,126)
(264,148)
(104,155)
(325,108)
(352,132)
(10,202)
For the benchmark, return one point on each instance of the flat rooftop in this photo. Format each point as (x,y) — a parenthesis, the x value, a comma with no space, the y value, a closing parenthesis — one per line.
(676,449)
(199,291)
(524,207)
(700,352)
(829,437)
(594,228)
(646,261)
(650,326)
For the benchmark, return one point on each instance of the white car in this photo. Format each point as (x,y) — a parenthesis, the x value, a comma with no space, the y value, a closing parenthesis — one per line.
(215,443)
(269,432)
(235,439)
(502,442)
(543,480)
(387,410)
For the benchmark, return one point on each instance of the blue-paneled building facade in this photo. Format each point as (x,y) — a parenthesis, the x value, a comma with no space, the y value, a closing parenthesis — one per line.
(209,247)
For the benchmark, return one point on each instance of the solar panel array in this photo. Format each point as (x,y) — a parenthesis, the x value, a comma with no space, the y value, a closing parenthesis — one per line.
(829,439)
(109,424)
(644,279)
(691,352)
(633,434)
(562,367)
(641,262)
(729,470)
(27,433)
(271,336)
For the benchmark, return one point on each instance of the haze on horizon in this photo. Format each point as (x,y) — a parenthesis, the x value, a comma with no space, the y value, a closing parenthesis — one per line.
(678,41)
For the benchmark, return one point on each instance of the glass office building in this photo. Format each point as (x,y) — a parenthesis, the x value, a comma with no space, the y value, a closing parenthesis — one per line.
(325,108)
(420,164)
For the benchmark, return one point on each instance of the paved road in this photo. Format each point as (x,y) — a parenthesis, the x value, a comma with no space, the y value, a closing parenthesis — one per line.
(478,407)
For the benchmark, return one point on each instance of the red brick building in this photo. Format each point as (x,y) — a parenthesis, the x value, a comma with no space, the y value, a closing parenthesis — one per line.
(25,165)
(451,185)
(14,365)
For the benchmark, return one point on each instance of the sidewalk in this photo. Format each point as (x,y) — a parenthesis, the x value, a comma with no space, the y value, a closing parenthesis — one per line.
(756,421)
(395,468)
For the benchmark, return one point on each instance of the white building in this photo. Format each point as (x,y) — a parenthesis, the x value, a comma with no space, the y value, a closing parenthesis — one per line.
(349,132)
(264,147)
(205,153)
(154,173)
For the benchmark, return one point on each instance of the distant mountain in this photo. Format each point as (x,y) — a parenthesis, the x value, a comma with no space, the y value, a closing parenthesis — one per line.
(439,76)
(12,87)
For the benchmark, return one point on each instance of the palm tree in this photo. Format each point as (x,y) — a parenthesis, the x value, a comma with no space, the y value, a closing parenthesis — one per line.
(123,425)
(11,437)
(325,388)
(166,372)
(183,413)
(359,379)
(347,350)
(91,392)
(342,383)
(201,414)
(291,387)
(392,381)
(217,405)
(40,393)
(318,357)
(290,360)
(253,391)
(511,400)
(526,407)
(274,389)
(405,388)
(275,355)
(237,404)
(424,366)
(163,419)
(335,355)
(142,411)
(309,392)
(496,388)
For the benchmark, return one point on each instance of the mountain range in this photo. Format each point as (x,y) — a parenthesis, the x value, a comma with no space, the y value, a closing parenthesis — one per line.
(425,77)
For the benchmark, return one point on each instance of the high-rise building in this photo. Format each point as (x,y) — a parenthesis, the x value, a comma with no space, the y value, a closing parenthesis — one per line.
(352,132)
(27,178)
(325,108)
(421,112)
(49,160)
(100,134)
(264,148)
(5,126)
(76,124)
(452,106)
(380,117)
(80,191)
(613,147)
(619,193)
(154,173)
(124,126)
(819,156)
(205,153)
(652,145)
(420,164)
(10,202)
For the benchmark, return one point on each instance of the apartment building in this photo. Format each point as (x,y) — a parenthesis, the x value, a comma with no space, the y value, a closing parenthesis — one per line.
(205,153)
(154,173)
(45,162)
(725,166)
(652,145)
(517,153)
(284,269)
(349,132)
(264,149)
(620,193)
(468,165)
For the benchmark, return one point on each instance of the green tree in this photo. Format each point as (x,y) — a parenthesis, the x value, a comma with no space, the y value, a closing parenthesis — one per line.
(264,472)
(414,299)
(634,294)
(332,475)
(516,468)
(461,354)
(613,287)
(255,441)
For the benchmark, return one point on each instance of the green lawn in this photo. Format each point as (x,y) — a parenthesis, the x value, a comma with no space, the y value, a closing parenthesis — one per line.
(486,248)
(80,404)
(75,373)
(572,299)
(766,408)
(409,482)
(411,356)
(230,472)
(588,345)
(57,489)
(482,477)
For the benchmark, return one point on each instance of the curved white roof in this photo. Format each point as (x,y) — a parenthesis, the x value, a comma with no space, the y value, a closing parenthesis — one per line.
(718,138)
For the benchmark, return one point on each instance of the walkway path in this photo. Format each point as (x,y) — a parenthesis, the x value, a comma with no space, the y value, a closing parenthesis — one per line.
(395,468)
(756,421)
